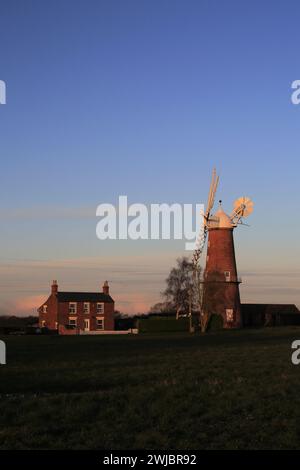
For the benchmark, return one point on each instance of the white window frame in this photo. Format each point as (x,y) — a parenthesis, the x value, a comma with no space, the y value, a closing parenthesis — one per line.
(97,325)
(45,308)
(86,308)
(100,307)
(227,275)
(72,320)
(73,308)
(229,315)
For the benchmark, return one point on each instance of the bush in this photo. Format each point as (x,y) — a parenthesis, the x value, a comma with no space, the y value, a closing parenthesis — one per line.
(215,322)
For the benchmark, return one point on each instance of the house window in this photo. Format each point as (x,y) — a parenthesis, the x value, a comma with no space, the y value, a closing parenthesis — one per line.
(227,276)
(229,314)
(44,308)
(100,324)
(72,307)
(100,307)
(86,307)
(73,321)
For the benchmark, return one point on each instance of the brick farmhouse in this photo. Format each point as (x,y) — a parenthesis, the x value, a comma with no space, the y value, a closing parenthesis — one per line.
(77,312)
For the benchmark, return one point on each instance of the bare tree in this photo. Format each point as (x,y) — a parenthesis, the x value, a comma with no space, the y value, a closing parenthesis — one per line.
(180,291)
(162,307)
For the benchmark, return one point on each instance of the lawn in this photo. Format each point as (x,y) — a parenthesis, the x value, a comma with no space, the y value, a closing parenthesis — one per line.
(226,390)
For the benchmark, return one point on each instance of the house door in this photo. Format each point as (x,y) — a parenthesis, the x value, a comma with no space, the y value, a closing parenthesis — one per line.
(86,325)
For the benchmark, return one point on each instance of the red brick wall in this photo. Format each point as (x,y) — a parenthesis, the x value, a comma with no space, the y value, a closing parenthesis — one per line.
(108,315)
(59,312)
(220,294)
(62,330)
(50,317)
(109,321)
(220,252)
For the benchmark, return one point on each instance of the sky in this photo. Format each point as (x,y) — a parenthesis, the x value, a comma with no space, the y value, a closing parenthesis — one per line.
(143,98)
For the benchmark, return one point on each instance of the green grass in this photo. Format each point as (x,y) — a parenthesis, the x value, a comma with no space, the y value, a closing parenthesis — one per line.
(227,390)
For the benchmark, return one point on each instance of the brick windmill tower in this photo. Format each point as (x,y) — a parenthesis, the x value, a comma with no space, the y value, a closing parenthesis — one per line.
(219,293)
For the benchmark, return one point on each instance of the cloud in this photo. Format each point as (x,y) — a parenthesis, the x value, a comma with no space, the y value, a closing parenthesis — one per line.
(136,281)
(29,304)
(271,287)
(47,212)
(134,303)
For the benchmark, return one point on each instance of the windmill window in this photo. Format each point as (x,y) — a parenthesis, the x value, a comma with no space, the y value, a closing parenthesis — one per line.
(44,308)
(229,314)
(227,276)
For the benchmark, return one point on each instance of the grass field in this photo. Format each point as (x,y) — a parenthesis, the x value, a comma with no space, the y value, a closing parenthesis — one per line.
(227,390)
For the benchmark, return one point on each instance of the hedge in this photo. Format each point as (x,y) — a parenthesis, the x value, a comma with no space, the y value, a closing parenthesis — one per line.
(157,325)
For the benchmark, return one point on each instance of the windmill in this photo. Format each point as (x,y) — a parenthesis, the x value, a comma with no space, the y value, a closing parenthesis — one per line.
(206,218)
(218,292)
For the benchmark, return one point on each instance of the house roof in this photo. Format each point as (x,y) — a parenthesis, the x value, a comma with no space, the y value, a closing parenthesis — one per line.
(284,309)
(83,297)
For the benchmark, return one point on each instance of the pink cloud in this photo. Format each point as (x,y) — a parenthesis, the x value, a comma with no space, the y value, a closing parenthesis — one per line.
(133,303)
(28,305)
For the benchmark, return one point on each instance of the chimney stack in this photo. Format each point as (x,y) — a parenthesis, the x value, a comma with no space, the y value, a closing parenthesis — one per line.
(105,288)
(54,287)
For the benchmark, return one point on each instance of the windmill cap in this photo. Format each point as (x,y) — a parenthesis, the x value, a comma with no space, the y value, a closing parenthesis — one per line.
(223,219)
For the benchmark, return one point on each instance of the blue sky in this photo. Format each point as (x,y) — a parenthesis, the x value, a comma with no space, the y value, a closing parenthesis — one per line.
(143,98)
